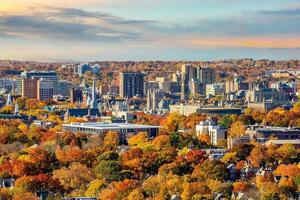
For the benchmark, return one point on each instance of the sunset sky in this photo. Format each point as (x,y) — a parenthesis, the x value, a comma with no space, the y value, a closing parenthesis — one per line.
(88,30)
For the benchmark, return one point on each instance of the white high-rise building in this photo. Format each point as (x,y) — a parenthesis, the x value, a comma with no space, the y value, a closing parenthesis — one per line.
(152,100)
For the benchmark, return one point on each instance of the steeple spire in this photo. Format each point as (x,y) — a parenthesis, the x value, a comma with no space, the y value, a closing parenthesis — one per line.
(16,111)
(8,101)
(94,102)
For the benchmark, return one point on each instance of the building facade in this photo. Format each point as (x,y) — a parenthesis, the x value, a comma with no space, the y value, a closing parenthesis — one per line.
(131,84)
(45,89)
(210,128)
(29,88)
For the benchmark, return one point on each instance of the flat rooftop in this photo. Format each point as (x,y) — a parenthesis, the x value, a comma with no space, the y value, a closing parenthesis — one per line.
(109,126)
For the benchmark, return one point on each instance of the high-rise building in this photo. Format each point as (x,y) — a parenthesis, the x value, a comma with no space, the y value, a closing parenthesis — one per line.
(45,89)
(152,100)
(82,68)
(206,75)
(216,89)
(131,84)
(63,88)
(187,74)
(188,71)
(46,75)
(184,88)
(76,95)
(29,87)
(7,84)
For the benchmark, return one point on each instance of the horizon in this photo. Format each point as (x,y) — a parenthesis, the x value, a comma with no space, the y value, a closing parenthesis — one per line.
(138,30)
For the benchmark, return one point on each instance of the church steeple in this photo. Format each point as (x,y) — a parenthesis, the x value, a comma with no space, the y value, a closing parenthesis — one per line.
(16,111)
(94,103)
(9,99)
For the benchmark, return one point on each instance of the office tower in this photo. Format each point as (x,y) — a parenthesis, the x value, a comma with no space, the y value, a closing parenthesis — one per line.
(18,86)
(194,87)
(187,74)
(63,88)
(131,84)
(76,95)
(45,89)
(206,75)
(150,85)
(216,89)
(29,88)
(152,99)
(188,71)
(46,75)
(81,69)
(7,84)
(184,89)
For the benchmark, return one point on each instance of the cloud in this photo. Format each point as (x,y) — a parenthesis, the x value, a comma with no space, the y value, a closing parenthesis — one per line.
(79,32)
(72,24)
(290,12)
(251,24)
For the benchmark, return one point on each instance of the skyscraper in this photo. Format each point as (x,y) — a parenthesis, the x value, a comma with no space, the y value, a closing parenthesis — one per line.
(76,95)
(188,73)
(206,75)
(195,78)
(47,75)
(29,87)
(152,100)
(131,84)
(45,89)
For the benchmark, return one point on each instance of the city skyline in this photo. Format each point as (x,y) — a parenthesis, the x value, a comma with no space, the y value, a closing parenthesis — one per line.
(142,30)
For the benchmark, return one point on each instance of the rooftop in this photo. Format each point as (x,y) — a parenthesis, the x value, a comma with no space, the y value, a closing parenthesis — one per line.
(109,126)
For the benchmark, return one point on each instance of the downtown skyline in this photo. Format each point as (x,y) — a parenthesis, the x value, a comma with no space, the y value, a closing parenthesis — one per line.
(142,30)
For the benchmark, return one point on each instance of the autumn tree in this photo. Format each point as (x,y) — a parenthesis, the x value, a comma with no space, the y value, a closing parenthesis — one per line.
(237,129)
(173,122)
(70,154)
(111,139)
(240,186)
(95,187)
(136,194)
(117,190)
(108,170)
(257,156)
(71,179)
(139,140)
(161,141)
(212,169)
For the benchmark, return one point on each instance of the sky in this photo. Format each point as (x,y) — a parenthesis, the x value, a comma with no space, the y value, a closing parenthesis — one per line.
(98,30)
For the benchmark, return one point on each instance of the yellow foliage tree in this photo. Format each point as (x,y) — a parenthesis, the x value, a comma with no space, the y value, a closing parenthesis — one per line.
(136,194)
(229,157)
(205,138)
(111,139)
(94,188)
(139,139)
(161,141)
(237,129)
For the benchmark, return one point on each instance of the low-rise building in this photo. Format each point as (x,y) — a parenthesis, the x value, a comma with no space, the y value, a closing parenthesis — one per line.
(216,89)
(125,130)
(211,128)
(231,142)
(187,109)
